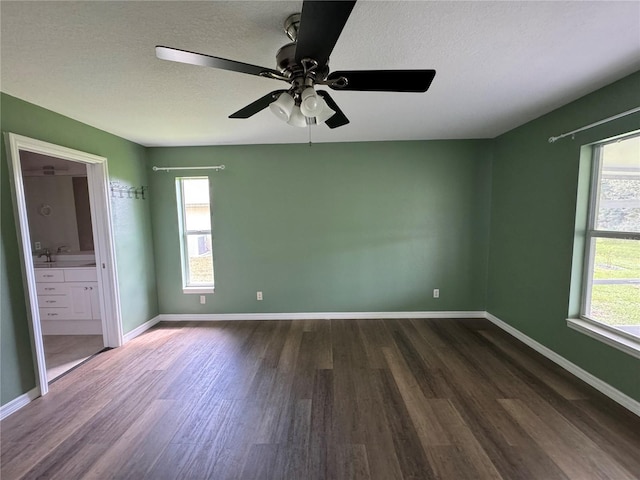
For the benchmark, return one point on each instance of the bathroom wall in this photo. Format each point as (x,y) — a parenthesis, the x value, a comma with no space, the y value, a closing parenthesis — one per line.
(52,212)
(83,213)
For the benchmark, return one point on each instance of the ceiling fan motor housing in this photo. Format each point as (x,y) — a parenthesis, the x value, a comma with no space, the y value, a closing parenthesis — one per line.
(299,75)
(287,65)
(286,58)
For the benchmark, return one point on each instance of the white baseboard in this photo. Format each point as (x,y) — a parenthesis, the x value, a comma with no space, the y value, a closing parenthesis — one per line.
(214,317)
(19,402)
(603,387)
(141,328)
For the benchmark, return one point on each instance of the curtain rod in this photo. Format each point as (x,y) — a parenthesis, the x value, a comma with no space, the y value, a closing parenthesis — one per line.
(591,125)
(166,169)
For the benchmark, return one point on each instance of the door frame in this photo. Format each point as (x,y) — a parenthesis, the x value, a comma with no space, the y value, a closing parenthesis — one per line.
(109,294)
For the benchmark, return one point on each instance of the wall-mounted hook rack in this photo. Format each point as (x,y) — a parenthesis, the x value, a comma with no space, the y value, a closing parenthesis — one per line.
(123,191)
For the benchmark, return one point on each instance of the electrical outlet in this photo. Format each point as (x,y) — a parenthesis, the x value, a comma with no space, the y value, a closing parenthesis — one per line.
(258,295)
(436,293)
(38,246)
(203,299)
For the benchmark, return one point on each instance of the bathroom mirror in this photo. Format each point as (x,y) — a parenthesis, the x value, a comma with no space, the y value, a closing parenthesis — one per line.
(57,199)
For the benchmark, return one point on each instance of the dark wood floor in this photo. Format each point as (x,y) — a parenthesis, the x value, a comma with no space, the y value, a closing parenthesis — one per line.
(371,399)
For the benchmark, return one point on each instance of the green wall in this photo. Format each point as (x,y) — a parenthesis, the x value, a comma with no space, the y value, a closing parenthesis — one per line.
(533,214)
(333,227)
(132,229)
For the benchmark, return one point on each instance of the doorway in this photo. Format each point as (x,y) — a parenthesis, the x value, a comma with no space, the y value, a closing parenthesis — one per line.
(56,195)
(64,224)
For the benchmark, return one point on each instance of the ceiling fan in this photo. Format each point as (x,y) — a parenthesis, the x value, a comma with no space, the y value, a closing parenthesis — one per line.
(304,64)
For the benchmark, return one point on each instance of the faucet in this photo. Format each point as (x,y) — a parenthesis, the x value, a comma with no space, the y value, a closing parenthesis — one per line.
(46,253)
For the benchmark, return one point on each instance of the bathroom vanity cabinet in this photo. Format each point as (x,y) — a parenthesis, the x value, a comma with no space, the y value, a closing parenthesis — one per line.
(68,300)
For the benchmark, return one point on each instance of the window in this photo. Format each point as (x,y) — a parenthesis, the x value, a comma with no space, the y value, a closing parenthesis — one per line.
(611,295)
(194,213)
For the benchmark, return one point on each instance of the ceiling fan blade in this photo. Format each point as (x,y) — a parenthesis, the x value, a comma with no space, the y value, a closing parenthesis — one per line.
(193,58)
(384,80)
(257,106)
(338,119)
(321,23)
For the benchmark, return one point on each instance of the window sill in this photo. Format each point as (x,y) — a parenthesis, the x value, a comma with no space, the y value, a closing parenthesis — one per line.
(606,334)
(197,290)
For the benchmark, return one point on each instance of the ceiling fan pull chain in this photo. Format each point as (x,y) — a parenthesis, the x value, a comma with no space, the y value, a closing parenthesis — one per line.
(309,127)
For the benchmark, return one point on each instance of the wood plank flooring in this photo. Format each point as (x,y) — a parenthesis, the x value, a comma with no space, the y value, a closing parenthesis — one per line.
(320,399)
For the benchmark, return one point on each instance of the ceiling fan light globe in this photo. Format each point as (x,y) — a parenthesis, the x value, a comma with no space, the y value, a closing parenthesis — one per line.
(283,107)
(297,119)
(310,103)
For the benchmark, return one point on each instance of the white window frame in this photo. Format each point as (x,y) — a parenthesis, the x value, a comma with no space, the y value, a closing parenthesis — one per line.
(615,337)
(187,286)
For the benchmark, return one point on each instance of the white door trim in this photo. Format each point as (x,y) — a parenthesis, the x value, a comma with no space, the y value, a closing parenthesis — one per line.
(97,178)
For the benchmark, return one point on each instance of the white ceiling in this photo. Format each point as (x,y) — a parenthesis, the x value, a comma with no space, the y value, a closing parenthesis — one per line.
(499,64)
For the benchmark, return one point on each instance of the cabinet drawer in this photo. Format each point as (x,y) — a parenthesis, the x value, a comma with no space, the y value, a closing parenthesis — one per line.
(49,275)
(53,301)
(54,313)
(51,288)
(80,275)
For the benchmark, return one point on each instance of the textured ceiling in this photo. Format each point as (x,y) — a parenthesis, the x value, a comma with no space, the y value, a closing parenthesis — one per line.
(499,64)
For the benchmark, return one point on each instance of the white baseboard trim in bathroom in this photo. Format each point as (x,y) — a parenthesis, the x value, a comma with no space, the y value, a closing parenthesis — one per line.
(19,402)
(215,317)
(603,387)
(141,329)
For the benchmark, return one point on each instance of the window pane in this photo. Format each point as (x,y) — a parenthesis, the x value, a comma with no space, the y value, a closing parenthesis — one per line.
(197,217)
(196,190)
(615,294)
(619,201)
(200,259)
(196,199)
